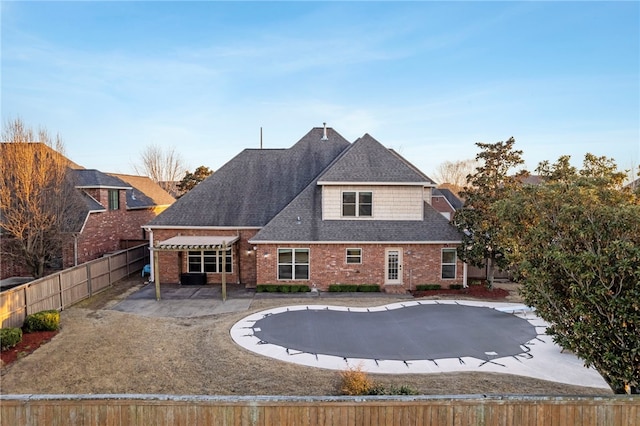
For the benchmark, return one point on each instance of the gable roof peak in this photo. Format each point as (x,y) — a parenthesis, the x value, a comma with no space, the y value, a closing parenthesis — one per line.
(367,160)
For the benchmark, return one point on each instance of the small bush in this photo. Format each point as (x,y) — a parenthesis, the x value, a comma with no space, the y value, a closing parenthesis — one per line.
(343,288)
(354,381)
(300,288)
(9,337)
(455,286)
(369,288)
(352,288)
(42,321)
(392,390)
(282,288)
(425,287)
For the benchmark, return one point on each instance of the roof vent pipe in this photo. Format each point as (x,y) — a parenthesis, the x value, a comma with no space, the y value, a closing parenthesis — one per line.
(324,133)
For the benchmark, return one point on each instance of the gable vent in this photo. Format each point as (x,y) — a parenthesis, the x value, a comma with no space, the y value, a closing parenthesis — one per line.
(324,133)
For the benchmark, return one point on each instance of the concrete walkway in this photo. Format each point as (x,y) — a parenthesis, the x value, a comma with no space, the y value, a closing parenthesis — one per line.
(180,301)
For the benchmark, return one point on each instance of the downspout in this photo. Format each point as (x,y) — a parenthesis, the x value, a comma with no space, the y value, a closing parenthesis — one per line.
(464,275)
(75,249)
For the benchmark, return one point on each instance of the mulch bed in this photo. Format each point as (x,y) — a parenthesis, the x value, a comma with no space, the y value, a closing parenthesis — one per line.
(29,343)
(476,291)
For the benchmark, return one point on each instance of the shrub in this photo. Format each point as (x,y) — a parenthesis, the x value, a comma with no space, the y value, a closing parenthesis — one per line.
(425,287)
(9,337)
(379,389)
(369,288)
(343,288)
(282,288)
(42,321)
(354,381)
(455,286)
(352,288)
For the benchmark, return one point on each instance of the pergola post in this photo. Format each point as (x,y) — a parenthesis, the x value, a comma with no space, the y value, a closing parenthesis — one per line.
(156,275)
(224,271)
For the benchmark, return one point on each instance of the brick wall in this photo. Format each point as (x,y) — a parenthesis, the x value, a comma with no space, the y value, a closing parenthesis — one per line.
(172,264)
(104,231)
(421,265)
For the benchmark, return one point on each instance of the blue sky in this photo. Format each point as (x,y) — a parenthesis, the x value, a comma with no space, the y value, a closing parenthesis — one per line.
(428,79)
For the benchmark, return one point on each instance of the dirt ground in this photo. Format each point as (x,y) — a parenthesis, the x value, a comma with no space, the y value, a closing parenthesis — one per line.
(99,350)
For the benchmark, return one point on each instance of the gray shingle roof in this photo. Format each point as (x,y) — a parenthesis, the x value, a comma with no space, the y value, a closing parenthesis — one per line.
(91,178)
(254,186)
(455,202)
(307,206)
(367,160)
(144,193)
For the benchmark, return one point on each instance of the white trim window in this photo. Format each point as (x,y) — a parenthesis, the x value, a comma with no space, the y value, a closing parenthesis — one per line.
(354,255)
(293,264)
(357,204)
(209,261)
(448,263)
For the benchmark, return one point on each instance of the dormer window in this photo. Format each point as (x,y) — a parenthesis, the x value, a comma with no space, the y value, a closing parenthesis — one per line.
(357,204)
(114,199)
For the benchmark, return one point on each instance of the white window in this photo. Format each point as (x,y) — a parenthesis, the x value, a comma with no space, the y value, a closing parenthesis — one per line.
(209,261)
(448,264)
(293,264)
(354,255)
(357,203)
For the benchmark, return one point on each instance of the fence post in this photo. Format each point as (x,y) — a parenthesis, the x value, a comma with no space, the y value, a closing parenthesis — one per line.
(61,292)
(109,269)
(26,300)
(127,260)
(89,279)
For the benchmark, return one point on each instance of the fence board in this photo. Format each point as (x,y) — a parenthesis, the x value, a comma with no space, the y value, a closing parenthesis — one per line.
(74,285)
(99,274)
(44,294)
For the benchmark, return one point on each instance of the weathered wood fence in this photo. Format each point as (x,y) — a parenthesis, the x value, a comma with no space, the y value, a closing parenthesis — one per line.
(131,410)
(64,288)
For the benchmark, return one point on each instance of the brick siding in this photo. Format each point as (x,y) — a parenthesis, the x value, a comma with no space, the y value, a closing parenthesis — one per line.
(421,265)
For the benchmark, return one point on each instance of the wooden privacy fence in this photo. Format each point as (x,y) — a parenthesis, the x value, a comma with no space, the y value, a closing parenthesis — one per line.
(145,410)
(64,288)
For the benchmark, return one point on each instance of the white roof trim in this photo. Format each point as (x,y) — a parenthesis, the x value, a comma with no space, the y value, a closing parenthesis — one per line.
(343,183)
(198,242)
(356,243)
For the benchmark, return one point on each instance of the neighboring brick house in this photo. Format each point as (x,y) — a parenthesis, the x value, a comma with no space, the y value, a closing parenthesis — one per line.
(445,201)
(322,212)
(117,206)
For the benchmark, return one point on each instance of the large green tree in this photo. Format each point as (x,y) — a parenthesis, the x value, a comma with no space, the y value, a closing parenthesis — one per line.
(478,223)
(575,243)
(190,180)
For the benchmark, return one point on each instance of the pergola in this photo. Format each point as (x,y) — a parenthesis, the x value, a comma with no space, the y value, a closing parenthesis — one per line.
(186,243)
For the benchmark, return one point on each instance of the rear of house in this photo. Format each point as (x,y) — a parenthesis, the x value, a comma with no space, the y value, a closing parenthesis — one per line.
(322,212)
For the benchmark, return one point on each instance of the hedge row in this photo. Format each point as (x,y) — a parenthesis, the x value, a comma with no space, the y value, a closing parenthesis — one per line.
(352,288)
(282,288)
(425,287)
